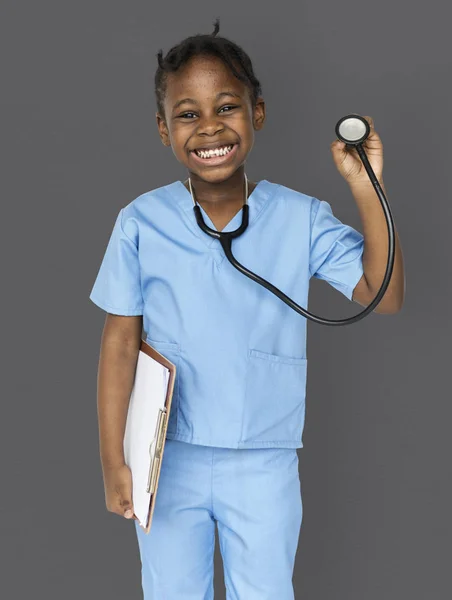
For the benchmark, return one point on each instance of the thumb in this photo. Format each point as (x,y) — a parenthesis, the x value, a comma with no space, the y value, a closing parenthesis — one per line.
(127,508)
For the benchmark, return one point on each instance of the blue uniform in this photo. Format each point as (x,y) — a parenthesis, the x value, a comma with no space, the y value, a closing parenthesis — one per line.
(254,498)
(240,351)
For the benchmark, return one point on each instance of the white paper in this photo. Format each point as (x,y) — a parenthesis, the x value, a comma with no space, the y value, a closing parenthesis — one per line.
(147,397)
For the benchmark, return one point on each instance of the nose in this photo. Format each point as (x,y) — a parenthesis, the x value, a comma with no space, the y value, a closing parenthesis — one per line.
(210,125)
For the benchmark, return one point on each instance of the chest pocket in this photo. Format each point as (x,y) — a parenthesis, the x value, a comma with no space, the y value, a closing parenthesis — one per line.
(275,390)
(171,351)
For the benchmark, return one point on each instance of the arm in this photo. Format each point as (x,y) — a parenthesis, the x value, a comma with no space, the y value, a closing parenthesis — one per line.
(120,346)
(375,255)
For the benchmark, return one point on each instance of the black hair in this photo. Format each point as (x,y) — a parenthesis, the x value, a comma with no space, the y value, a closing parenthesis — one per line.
(205,45)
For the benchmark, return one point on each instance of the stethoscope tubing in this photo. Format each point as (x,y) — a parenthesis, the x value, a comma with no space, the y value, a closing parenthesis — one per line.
(226,238)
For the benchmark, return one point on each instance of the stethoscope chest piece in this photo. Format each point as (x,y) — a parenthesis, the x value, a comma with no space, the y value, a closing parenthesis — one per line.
(352,129)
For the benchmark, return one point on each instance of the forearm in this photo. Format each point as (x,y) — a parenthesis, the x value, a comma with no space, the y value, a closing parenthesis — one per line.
(376,245)
(117,364)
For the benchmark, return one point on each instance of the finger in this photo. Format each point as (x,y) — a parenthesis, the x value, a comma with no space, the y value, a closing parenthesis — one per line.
(373,141)
(127,508)
(338,145)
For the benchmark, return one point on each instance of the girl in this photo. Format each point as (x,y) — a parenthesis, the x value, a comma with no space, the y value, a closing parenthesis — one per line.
(239,401)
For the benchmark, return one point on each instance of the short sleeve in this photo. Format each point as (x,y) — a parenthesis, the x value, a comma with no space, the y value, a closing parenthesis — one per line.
(336,250)
(117,288)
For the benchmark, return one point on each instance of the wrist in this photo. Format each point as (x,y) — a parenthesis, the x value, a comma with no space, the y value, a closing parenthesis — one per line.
(112,467)
(364,183)
(112,461)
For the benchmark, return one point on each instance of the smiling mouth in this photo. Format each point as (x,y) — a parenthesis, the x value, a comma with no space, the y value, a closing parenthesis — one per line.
(214,157)
(207,154)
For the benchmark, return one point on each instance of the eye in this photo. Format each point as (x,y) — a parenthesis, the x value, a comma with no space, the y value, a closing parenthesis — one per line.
(184,115)
(229,106)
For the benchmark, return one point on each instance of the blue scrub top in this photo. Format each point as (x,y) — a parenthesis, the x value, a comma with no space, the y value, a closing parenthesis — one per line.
(240,351)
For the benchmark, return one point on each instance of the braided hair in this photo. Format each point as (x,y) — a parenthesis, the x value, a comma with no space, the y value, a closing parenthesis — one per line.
(205,45)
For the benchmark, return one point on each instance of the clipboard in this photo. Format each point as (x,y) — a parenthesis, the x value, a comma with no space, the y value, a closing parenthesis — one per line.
(146,425)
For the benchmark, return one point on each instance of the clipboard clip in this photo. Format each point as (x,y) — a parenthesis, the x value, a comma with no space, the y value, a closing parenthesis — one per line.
(160,431)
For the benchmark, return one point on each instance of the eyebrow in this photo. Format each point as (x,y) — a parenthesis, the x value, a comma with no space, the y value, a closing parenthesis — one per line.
(192,101)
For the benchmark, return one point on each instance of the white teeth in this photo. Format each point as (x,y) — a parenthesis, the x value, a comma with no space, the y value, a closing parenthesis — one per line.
(217,152)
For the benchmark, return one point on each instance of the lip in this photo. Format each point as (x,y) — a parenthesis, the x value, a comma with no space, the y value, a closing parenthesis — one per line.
(219,160)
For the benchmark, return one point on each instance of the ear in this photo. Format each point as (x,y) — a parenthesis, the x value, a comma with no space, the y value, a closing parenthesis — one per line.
(259,114)
(163,129)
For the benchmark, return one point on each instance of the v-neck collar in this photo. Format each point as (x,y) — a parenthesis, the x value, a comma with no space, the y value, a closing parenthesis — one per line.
(256,201)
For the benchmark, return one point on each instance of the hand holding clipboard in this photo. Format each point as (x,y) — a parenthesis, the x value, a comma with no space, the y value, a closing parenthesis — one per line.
(146,425)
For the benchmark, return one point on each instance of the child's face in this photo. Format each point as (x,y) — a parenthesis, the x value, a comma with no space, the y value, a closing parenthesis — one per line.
(206,120)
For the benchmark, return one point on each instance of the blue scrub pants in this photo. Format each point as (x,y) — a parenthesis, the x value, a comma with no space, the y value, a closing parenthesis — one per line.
(254,497)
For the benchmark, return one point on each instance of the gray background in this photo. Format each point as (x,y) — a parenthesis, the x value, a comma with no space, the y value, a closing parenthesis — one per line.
(79,141)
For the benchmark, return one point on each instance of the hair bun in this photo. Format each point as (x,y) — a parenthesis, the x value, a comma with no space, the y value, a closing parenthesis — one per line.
(217,27)
(160,59)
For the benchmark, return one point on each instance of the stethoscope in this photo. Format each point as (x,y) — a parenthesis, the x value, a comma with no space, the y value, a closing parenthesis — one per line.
(353,130)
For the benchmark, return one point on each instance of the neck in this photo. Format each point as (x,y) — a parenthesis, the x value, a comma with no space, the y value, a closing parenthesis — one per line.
(230,192)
